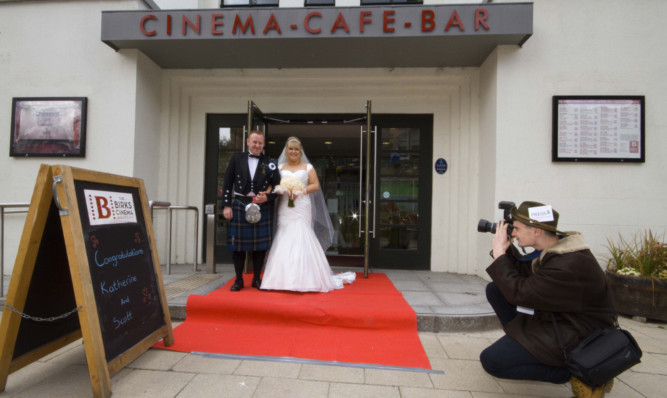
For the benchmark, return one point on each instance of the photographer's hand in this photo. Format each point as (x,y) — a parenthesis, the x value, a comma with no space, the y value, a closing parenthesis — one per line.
(500,242)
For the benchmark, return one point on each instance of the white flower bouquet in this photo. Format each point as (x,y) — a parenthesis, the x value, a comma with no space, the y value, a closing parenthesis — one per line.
(291,185)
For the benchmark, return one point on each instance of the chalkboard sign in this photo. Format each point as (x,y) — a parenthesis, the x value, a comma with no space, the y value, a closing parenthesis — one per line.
(121,264)
(86,267)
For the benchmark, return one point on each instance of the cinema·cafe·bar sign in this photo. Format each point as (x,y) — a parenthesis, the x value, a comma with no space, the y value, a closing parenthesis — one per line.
(407,26)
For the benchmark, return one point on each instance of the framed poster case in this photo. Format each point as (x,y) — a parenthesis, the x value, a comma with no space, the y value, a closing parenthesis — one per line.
(598,129)
(51,126)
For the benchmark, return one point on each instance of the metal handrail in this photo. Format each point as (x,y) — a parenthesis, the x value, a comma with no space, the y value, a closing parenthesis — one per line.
(167,205)
(156,203)
(2,238)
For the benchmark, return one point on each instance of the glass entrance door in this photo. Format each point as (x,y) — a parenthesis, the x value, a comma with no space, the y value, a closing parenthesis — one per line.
(256,120)
(225,135)
(400,180)
(403,195)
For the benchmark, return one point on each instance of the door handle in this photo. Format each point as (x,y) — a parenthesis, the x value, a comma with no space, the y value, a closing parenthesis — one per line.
(369,200)
(375,175)
(361,172)
(245,131)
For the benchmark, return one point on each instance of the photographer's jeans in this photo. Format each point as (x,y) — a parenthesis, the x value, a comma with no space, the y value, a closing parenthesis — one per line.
(506,358)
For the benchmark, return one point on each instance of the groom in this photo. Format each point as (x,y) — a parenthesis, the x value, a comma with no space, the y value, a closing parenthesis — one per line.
(249,178)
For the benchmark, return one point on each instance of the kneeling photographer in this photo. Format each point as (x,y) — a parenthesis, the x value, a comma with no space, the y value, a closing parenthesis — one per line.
(560,279)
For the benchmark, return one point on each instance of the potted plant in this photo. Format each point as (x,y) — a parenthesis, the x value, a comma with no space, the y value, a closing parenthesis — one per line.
(637,274)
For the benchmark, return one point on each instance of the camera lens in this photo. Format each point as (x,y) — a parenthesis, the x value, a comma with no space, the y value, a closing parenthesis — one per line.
(486,226)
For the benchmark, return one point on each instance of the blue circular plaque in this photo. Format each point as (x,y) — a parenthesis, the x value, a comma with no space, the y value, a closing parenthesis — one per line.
(440,166)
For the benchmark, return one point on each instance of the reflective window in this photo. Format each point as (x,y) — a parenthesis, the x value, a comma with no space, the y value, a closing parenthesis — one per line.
(378,2)
(319,3)
(399,152)
(249,3)
(230,141)
(399,238)
(399,188)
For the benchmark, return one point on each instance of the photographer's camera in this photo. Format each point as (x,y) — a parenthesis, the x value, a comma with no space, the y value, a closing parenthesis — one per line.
(487,226)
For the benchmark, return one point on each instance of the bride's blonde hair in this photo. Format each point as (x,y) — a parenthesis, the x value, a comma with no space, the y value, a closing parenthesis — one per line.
(294,139)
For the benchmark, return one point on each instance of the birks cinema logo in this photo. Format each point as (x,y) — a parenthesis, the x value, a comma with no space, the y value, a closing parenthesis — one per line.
(106,207)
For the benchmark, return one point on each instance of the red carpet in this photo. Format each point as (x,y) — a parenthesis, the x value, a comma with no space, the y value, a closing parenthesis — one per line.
(367,322)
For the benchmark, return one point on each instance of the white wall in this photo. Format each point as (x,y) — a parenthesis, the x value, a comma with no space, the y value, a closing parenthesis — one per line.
(147,124)
(488,167)
(600,47)
(54,49)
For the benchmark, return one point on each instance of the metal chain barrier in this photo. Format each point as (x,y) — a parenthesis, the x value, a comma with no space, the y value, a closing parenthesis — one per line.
(39,319)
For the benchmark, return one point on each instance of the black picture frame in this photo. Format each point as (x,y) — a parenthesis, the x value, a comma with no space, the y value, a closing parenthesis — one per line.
(48,127)
(598,128)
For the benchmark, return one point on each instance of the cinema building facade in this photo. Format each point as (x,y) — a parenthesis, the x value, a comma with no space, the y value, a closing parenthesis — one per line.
(418,116)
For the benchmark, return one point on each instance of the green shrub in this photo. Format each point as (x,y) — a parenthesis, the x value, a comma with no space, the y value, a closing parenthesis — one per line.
(644,255)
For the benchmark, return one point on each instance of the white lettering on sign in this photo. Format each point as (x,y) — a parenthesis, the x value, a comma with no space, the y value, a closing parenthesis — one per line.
(105,207)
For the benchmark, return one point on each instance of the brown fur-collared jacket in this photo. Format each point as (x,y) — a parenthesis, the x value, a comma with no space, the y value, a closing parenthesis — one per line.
(566,281)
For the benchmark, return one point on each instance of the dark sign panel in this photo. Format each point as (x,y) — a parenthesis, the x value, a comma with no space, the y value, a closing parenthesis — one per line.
(368,36)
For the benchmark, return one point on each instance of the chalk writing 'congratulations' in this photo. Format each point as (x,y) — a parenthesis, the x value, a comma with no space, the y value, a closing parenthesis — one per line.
(117,257)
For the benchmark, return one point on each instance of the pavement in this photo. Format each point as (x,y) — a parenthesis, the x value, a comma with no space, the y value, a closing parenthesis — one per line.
(455,323)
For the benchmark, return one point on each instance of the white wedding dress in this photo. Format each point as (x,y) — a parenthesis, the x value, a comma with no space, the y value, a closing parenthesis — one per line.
(296,259)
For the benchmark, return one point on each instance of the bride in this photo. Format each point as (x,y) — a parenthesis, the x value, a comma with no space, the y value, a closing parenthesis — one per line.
(296,259)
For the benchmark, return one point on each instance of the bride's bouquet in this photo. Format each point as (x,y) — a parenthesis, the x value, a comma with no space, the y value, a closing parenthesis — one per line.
(291,185)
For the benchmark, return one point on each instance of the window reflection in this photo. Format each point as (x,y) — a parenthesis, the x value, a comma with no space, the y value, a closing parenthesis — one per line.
(393,2)
(399,238)
(230,141)
(399,188)
(249,3)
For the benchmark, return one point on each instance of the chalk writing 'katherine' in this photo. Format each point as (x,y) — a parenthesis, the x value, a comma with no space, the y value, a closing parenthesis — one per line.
(117,284)
(113,260)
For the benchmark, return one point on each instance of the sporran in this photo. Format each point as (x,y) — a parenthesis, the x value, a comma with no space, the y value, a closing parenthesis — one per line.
(253,213)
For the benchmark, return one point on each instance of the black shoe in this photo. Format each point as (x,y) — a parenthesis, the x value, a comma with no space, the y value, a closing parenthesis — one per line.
(256,282)
(238,285)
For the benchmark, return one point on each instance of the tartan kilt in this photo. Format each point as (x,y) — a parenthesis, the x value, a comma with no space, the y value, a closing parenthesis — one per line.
(243,236)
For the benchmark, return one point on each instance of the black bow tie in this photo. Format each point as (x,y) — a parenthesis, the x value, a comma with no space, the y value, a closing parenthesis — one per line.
(253,156)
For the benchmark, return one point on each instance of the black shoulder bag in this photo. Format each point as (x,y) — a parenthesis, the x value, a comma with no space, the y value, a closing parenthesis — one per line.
(603,355)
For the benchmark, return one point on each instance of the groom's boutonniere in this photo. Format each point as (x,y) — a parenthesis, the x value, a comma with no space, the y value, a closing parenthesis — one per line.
(271,166)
